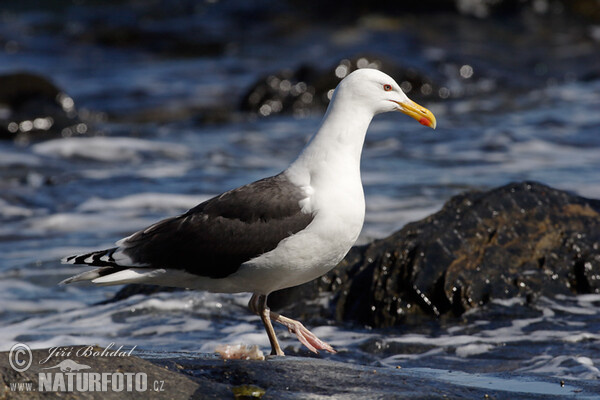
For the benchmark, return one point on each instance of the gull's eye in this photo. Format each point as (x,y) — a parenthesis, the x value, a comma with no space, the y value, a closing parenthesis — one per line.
(387,87)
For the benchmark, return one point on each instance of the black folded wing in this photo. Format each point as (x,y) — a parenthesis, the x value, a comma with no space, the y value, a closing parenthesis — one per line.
(214,238)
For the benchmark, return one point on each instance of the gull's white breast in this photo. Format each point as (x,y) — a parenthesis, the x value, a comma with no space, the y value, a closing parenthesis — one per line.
(338,205)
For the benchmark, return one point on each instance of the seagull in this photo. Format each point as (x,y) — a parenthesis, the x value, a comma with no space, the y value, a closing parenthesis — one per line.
(275,233)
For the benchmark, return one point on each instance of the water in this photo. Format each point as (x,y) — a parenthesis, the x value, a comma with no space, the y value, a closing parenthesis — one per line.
(147,156)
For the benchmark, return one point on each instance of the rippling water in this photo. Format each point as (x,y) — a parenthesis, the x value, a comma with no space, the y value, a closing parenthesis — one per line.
(66,195)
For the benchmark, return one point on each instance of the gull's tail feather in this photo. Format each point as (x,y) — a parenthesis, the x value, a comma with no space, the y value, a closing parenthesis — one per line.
(102,259)
(90,275)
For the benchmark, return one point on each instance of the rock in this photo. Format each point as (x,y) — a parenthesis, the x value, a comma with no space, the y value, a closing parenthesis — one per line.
(186,28)
(523,239)
(299,377)
(33,107)
(312,378)
(164,42)
(306,89)
(491,9)
(171,384)
(203,376)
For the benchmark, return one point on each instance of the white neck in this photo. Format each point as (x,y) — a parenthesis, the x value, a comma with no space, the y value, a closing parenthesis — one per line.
(337,146)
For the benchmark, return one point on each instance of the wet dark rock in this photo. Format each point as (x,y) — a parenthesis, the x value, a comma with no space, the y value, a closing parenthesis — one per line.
(329,9)
(307,89)
(33,107)
(163,42)
(174,385)
(524,239)
(298,377)
(182,28)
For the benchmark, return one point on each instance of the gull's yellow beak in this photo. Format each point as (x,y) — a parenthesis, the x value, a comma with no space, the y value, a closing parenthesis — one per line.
(420,113)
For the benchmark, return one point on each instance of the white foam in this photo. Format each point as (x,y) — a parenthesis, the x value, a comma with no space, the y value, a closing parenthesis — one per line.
(14,157)
(575,309)
(156,170)
(8,210)
(189,325)
(109,216)
(163,304)
(565,366)
(109,149)
(513,301)
(143,201)
(74,222)
(496,384)
(472,349)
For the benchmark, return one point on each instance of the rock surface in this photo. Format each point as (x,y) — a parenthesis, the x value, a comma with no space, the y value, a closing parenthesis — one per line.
(205,377)
(175,386)
(35,107)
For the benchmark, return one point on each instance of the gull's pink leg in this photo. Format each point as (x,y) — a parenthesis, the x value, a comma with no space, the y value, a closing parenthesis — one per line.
(258,305)
(305,336)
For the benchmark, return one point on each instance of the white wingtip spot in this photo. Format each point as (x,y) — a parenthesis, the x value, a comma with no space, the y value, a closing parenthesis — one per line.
(120,258)
(68,260)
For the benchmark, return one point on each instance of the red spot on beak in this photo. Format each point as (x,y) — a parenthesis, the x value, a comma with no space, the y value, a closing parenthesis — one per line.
(425,121)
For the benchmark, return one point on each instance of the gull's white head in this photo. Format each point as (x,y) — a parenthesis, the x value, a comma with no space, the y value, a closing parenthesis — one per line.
(378,93)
